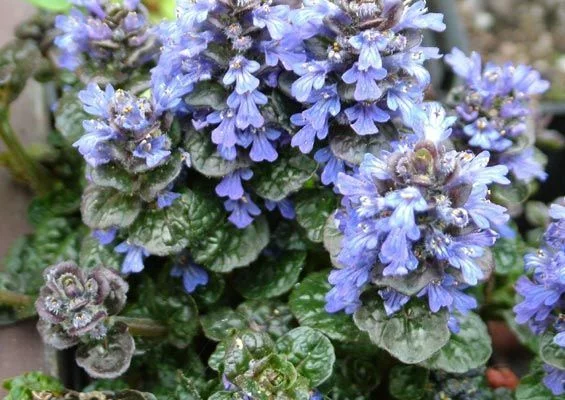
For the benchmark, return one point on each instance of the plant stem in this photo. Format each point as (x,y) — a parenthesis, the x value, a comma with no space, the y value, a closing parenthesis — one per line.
(33,172)
(144,327)
(14,299)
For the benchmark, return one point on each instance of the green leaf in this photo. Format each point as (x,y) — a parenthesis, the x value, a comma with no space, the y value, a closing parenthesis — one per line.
(351,147)
(104,208)
(244,347)
(271,316)
(93,254)
(410,284)
(23,386)
(69,115)
(228,247)
(287,237)
(221,323)
(270,276)
(112,176)
(205,157)
(210,293)
(58,203)
(412,335)
(532,387)
(52,5)
(313,207)
(204,215)
(408,382)
(469,349)
(509,255)
(208,94)
(307,302)
(310,352)
(332,238)
(216,359)
(550,352)
(19,60)
(277,180)
(162,232)
(224,395)
(156,180)
(511,196)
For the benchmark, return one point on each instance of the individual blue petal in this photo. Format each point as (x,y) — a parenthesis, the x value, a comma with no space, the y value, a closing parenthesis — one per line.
(285,207)
(231,185)
(241,72)
(133,262)
(166,199)
(363,116)
(242,211)
(152,150)
(105,236)
(312,76)
(367,87)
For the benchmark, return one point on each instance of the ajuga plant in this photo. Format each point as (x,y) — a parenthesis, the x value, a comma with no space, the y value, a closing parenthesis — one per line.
(266,199)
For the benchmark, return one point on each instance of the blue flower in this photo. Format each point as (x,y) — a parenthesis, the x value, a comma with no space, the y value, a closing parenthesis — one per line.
(363,117)
(242,211)
(231,185)
(168,93)
(393,225)
(275,18)
(370,43)
(166,199)
(105,236)
(133,262)
(366,87)
(92,144)
(285,207)
(554,379)
(416,16)
(196,12)
(332,165)
(248,113)
(241,72)
(152,150)
(225,133)
(312,76)
(95,101)
(262,148)
(192,274)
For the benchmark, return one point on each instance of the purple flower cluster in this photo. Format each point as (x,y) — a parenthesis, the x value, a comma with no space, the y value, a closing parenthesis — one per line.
(543,296)
(103,31)
(417,212)
(244,45)
(494,107)
(364,67)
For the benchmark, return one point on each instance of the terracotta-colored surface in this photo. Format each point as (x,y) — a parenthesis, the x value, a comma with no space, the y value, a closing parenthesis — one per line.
(20,346)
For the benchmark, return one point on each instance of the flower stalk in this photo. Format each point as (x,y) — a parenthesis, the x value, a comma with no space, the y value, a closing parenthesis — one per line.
(141,327)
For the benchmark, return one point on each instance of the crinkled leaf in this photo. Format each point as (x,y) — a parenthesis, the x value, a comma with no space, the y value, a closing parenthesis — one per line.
(109,358)
(551,353)
(228,247)
(509,255)
(111,176)
(155,181)
(104,208)
(412,335)
(209,294)
(162,231)
(216,359)
(310,351)
(18,62)
(271,316)
(511,196)
(277,180)
(69,116)
(307,303)
(63,202)
(287,237)
(408,382)
(205,215)
(224,395)
(208,94)
(220,323)
(332,238)
(23,386)
(351,147)
(469,349)
(205,158)
(313,208)
(180,315)
(409,284)
(93,254)
(242,348)
(270,276)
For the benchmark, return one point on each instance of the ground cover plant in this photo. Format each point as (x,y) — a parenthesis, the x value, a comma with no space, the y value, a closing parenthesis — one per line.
(255,199)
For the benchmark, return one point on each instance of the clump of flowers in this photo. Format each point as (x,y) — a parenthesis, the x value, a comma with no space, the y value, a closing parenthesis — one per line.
(544,294)
(106,34)
(244,45)
(365,66)
(419,210)
(495,112)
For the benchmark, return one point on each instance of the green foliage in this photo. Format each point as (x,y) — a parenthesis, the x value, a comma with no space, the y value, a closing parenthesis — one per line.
(52,5)
(412,335)
(270,276)
(532,388)
(104,208)
(277,180)
(22,387)
(313,208)
(469,349)
(69,116)
(408,382)
(550,352)
(307,303)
